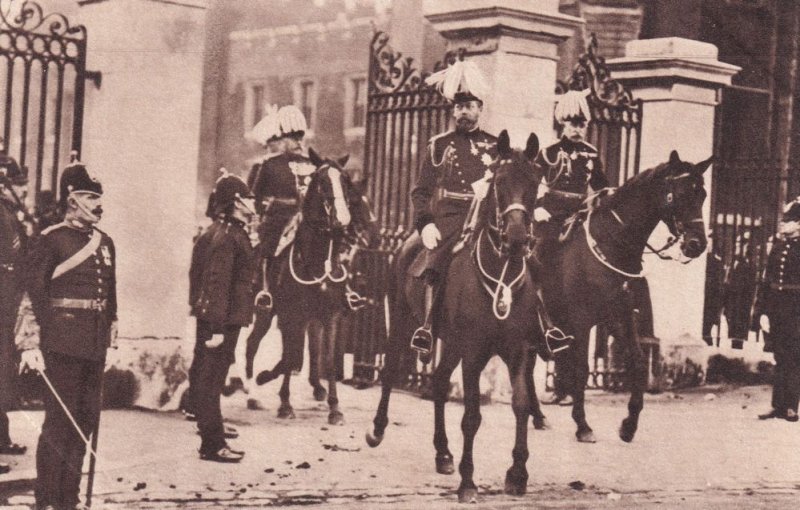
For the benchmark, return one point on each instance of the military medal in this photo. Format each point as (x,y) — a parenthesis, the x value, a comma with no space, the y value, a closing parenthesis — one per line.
(590,165)
(106,255)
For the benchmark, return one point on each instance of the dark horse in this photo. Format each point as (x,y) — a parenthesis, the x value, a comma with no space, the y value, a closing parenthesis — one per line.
(310,281)
(488,308)
(605,253)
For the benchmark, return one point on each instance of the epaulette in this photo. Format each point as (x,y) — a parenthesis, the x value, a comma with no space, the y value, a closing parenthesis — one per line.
(54,227)
(95,228)
(591,147)
(433,139)
(270,156)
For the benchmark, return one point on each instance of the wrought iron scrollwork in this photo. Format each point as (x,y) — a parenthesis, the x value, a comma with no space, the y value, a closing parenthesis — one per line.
(31,18)
(609,99)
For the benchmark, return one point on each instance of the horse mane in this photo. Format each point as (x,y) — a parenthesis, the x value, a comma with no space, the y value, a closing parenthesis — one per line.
(636,182)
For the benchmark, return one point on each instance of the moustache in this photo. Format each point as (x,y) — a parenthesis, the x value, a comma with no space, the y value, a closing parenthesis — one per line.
(97,210)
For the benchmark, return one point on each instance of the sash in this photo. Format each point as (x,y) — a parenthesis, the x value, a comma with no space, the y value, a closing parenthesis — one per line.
(79,256)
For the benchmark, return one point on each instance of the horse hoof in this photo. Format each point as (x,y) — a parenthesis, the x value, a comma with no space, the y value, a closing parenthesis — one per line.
(586,436)
(514,488)
(373,440)
(320,393)
(286,413)
(444,464)
(265,376)
(627,430)
(468,495)
(335,418)
(541,423)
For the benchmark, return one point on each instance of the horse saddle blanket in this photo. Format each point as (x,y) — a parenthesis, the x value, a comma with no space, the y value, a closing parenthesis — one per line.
(289,233)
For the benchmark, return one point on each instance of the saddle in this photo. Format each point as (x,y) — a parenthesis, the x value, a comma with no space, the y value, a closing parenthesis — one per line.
(289,233)
(592,202)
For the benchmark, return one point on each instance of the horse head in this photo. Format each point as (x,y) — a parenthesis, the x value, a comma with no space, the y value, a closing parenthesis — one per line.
(513,194)
(681,206)
(338,204)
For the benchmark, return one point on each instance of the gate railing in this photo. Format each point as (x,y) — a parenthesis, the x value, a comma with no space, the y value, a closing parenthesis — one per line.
(42,83)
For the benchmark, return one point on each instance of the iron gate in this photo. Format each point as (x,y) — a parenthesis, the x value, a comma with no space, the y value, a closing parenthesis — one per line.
(42,82)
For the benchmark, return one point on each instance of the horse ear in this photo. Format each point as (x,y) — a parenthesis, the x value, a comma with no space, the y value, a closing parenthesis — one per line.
(674,158)
(343,160)
(504,143)
(315,158)
(702,166)
(532,147)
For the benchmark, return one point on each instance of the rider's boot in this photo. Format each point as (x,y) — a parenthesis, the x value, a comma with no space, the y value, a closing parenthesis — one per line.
(555,339)
(422,339)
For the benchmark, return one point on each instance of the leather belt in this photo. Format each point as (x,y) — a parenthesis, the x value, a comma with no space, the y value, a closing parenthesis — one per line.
(566,194)
(457,196)
(279,200)
(785,286)
(98,305)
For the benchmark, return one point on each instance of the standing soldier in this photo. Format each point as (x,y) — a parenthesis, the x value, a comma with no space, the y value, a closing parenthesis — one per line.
(221,294)
(13,239)
(778,309)
(453,161)
(72,286)
(567,170)
(278,188)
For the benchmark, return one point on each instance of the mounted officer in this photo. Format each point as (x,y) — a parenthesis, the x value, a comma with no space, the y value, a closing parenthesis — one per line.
(778,309)
(453,161)
(72,287)
(13,242)
(567,171)
(221,296)
(267,133)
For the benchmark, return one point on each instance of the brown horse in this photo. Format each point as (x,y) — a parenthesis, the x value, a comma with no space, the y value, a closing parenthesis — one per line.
(488,308)
(605,254)
(310,281)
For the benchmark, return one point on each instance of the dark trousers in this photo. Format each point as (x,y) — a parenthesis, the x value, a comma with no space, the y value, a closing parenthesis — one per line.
(60,454)
(786,389)
(211,371)
(7,375)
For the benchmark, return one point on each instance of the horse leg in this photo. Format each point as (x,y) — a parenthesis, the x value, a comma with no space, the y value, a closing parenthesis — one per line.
(315,338)
(517,475)
(285,410)
(260,328)
(539,419)
(578,375)
(635,368)
(467,491)
(329,334)
(441,388)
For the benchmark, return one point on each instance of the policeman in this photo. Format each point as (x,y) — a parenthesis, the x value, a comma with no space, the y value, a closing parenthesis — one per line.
(221,295)
(567,171)
(13,240)
(778,308)
(72,287)
(453,161)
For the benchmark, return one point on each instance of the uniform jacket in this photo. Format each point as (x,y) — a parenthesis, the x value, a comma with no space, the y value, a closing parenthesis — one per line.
(779,291)
(221,276)
(453,161)
(13,241)
(82,333)
(568,167)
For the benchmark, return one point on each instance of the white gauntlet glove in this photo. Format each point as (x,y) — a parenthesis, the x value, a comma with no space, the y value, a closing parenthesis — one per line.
(541,214)
(216,341)
(31,360)
(430,236)
(763,321)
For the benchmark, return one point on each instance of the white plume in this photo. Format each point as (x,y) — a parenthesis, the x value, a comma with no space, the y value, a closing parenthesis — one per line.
(291,119)
(266,128)
(573,104)
(461,76)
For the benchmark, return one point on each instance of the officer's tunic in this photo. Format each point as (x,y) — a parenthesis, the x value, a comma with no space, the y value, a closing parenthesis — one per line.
(453,161)
(13,240)
(277,197)
(779,299)
(221,297)
(74,310)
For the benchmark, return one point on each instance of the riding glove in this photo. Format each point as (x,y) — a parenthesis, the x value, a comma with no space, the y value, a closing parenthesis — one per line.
(430,236)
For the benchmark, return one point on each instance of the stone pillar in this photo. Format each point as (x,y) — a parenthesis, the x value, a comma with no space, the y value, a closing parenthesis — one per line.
(515,42)
(141,137)
(679,81)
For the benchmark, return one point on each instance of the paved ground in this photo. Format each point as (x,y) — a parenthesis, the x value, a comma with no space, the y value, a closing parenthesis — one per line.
(703,449)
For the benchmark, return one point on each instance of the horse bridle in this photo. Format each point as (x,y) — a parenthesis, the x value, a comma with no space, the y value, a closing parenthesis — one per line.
(676,227)
(500,221)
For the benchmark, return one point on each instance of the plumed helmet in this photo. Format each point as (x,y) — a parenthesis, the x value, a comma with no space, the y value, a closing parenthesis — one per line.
(76,178)
(791,211)
(460,81)
(267,129)
(11,172)
(573,105)
(292,121)
(227,189)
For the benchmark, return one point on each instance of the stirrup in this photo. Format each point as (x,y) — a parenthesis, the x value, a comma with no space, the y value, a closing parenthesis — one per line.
(355,301)
(556,340)
(422,340)
(264,301)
